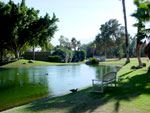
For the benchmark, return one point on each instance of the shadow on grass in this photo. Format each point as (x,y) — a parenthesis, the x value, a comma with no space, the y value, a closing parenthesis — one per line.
(6,62)
(126,73)
(85,100)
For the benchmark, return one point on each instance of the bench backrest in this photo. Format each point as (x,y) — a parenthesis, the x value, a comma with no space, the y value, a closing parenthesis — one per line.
(109,76)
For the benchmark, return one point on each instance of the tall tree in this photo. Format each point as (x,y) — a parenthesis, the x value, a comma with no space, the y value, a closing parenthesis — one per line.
(108,33)
(126,31)
(141,14)
(2,42)
(132,46)
(74,43)
(41,31)
(105,38)
(78,45)
(119,41)
(93,47)
(21,25)
(87,48)
(64,42)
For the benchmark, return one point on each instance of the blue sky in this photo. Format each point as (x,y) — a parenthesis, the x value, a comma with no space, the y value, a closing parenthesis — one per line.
(82,18)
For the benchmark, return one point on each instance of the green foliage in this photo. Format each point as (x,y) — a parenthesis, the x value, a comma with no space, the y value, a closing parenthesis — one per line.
(79,56)
(21,25)
(64,42)
(111,36)
(121,53)
(87,48)
(65,54)
(54,58)
(142,14)
(93,47)
(93,60)
(78,45)
(65,50)
(74,43)
(47,47)
(83,55)
(132,47)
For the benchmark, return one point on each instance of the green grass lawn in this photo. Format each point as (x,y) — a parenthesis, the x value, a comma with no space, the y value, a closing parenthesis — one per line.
(20,63)
(131,96)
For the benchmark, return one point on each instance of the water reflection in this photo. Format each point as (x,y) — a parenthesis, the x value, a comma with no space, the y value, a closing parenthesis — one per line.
(51,80)
(103,69)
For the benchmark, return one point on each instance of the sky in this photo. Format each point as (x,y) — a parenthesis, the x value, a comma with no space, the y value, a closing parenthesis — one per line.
(82,18)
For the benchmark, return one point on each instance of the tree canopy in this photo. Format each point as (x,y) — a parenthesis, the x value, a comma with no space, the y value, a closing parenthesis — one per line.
(142,15)
(111,35)
(21,26)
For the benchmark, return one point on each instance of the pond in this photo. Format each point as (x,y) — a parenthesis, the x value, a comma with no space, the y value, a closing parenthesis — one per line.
(23,85)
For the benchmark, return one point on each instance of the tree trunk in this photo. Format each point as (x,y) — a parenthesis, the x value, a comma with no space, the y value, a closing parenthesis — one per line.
(17,54)
(126,32)
(93,52)
(105,53)
(139,58)
(147,50)
(138,47)
(119,56)
(138,50)
(33,52)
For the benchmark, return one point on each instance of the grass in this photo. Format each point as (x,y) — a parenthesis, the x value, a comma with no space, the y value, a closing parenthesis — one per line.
(12,97)
(20,63)
(131,96)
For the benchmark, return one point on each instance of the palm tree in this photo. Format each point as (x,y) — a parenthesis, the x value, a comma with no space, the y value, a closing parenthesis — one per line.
(78,44)
(74,43)
(93,46)
(141,15)
(126,31)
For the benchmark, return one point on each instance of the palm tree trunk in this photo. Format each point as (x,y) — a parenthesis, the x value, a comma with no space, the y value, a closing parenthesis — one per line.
(139,58)
(119,56)
(138,55)
(138,50)
(93,53)
(126,32)
(147,50)
(105,52)
(33,52)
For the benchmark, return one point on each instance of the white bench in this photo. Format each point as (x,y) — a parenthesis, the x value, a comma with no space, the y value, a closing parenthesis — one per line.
(108,78)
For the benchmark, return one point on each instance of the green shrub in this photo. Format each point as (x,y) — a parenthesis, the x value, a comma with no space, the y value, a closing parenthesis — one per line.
(79,56)
(83,55)
(66,55)
(54,58)
(93,60)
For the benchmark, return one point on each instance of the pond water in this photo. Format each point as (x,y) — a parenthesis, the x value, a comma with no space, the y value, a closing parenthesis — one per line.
(42,81)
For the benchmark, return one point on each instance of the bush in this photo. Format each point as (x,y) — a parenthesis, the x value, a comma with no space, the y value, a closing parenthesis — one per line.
(79,56)
(83,55)
(66,55)
(93,61)
(54,58)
